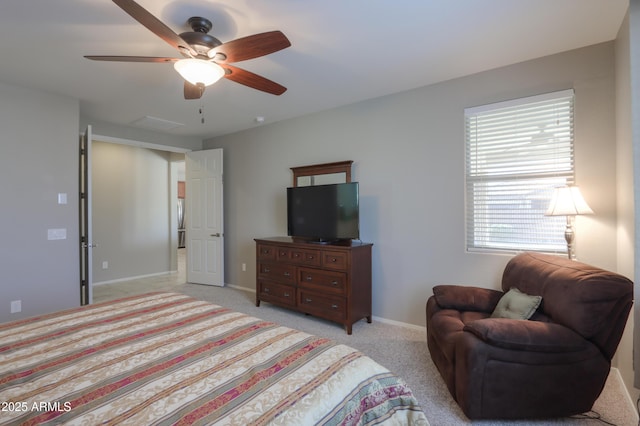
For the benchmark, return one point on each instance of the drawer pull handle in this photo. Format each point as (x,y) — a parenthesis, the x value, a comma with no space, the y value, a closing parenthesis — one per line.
(286,295)
(334,306)
(265,251)
(333,259)
(283,253)
(309,278)
(334,283)
(296,255)
(287,274)
(310,257)
(266,290)
(308,300)
(267,270)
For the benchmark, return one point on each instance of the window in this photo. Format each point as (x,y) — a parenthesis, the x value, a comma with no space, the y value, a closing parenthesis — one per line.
(516,153)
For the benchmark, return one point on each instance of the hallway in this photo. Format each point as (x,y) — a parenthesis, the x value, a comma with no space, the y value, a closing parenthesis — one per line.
(166,282)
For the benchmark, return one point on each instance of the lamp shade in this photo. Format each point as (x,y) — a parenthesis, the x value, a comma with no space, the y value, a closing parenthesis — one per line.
(198,71)
(567,201)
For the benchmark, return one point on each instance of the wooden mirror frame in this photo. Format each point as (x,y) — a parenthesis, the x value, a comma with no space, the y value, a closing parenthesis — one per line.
(323,169)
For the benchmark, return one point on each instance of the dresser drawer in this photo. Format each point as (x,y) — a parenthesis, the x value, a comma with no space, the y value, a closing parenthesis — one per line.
(322,305)
(279,272)
(299,256)
(283,254)
(306,257)
(335,260)
(276,293)
(266,252)
(322,281)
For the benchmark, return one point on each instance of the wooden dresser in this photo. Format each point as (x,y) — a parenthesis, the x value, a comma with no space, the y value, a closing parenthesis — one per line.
(331,281)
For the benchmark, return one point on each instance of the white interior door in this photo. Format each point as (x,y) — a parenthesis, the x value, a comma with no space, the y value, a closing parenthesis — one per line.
(204,221)
(86,239)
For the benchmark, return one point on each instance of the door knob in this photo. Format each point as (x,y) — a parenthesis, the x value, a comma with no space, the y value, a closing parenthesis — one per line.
(217,234)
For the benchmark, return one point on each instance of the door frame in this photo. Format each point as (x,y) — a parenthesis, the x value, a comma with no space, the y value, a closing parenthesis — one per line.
(138,144)
(85,223)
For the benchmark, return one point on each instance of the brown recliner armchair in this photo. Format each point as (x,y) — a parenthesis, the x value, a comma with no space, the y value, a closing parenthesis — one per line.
(554,364)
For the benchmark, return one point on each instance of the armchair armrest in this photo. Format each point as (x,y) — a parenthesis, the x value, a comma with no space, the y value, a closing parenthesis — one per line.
(466,298)
(535,336)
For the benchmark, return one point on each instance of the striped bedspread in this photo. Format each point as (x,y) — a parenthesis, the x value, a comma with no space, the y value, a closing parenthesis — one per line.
(166,358)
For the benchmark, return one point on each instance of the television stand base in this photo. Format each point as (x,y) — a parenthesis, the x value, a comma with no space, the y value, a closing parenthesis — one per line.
(330,281)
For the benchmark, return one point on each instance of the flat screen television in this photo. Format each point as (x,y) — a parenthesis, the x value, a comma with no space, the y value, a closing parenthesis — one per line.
(324,213)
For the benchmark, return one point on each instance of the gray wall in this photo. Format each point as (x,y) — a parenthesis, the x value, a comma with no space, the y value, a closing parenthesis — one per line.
(625,209)
(634,120)
(408,150)
(38,160)
(131,206)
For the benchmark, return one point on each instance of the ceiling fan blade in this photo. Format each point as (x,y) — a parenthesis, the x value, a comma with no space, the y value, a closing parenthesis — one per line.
(252,46)
(156,26)
(252,80)
(193,91)
(132,59)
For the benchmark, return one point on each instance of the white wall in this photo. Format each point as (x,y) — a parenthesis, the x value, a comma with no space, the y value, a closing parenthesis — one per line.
(131,212)
(408,153)
(38,160)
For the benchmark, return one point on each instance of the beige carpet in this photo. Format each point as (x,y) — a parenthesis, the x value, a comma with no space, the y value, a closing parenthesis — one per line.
(402,350)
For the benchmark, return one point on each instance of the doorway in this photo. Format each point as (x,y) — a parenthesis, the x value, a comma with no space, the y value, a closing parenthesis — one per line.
(135,199)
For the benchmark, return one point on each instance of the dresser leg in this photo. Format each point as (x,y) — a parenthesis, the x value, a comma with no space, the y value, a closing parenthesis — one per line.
(369,319)
(258,302)
(348,328)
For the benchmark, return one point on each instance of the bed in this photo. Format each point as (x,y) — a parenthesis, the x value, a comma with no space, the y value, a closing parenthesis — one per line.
(167,358)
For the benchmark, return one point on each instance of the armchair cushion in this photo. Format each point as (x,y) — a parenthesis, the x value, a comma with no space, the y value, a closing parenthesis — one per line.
(466,298)
(533,336)
(516,305)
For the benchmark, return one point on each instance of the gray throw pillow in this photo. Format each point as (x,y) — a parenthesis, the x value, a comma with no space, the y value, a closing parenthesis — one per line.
(516,305)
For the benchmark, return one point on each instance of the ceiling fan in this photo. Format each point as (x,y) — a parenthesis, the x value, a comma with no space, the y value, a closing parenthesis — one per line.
(205,58)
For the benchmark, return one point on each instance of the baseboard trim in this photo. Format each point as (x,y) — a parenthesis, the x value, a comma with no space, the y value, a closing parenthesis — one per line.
(237,287)
(133,278)
(376,318)
(401,324)
(630,401)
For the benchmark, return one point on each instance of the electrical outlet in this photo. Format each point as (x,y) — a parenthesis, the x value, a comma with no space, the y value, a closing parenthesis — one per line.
(244,267)
(16,306)
(105,264)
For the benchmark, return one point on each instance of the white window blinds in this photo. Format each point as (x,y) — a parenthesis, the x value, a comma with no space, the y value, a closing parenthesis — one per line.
(516,153)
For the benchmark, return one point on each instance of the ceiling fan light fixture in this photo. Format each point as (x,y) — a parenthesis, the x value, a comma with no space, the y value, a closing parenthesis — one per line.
(198,71)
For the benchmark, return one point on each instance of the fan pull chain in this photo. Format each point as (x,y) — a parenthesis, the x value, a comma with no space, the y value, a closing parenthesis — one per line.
(201,113)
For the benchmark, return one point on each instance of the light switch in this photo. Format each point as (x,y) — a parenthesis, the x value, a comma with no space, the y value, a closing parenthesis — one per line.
(57,234)
(62,198)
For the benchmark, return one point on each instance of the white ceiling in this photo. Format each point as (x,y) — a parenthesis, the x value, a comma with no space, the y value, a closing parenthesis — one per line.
(343,51)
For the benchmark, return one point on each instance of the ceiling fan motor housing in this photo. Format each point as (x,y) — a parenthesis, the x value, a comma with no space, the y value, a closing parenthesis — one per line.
(198,39)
